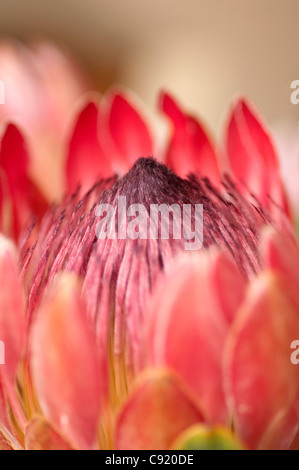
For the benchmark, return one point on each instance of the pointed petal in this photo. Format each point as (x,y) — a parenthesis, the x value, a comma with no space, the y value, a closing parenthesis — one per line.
(156,413)
(124,132)
(201,437)
(190,149)
(12,316)
(86,163)
(40,435)
(22,194)
(67,374)
(261,382)
(280,252)
(189,318)
(252,156)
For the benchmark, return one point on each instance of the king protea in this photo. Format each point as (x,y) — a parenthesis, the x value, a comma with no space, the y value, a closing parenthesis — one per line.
(135,343)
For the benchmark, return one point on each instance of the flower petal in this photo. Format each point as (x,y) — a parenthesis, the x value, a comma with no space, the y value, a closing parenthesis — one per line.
(280,252)
(124,133)
(86,163)
(189,318)
(295,443)
(67,373)
(3,444)
(190,149)
(156,413)
(4,413)
(20,191)
(252,156)
(12,316)
(261,382)
(40,435)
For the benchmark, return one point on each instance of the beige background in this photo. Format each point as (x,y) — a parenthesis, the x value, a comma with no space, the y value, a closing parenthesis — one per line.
(205,51)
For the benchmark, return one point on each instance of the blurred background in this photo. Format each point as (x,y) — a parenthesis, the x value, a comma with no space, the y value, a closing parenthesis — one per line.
(204,51)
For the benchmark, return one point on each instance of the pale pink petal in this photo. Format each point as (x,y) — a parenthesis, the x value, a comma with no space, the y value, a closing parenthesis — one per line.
(61,82)
(190,149)
(203,437)
(155,414)
(22,85)
(67,372)
(262,384)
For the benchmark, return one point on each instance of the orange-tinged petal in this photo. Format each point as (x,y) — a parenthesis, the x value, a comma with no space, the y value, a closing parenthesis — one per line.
(189,318)
(261,382)
(155,414)
(190,149)
(252,156)
(40,435)
(12,316)
(4,445)
(123,130)
(86,163)
(67,373)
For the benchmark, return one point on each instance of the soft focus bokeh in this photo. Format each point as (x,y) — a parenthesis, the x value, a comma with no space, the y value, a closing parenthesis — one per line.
(203,50)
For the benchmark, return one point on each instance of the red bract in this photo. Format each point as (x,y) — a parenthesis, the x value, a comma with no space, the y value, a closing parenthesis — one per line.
(252,156)
(85,154)
(130,342)
(190,150)
(19,196)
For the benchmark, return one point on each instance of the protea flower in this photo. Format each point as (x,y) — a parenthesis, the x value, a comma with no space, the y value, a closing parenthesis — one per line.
(133,342)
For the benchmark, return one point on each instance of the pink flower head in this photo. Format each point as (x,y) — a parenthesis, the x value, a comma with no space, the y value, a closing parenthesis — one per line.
(134,342)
